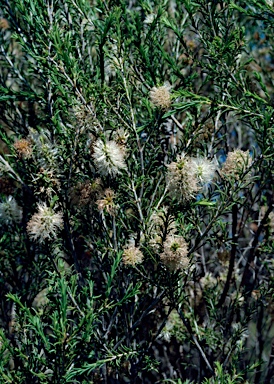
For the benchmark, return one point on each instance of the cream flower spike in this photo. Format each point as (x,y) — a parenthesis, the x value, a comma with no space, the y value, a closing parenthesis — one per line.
(108,157)
(44,224)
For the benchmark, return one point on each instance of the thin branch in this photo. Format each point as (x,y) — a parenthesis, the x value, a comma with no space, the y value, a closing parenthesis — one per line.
(8,168)
(232,255)
(70,295)
(196,342)
(255,243)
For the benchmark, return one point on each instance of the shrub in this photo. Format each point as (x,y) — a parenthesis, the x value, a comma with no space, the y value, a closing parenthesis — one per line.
(136,191)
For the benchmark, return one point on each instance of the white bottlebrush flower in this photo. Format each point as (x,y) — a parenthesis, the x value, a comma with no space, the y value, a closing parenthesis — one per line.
(132,255)
(160,96)
(181,180)
(236,164)
(175,253)
(44,224)
(187,176)
(10,211)
(108,157)
(204,169)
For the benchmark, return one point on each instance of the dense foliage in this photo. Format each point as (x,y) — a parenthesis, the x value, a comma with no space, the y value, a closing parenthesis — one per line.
(136,191)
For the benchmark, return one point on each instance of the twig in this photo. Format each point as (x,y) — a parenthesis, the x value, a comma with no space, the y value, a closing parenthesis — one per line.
(114,233)
(154,193)
(140,147)
(8,168)
(70,295)
(76,90)
(196,342)
(179,125)
(232,255)
(255,243)
(137,200)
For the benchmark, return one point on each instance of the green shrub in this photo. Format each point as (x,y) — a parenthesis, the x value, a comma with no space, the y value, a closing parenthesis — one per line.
(136,191)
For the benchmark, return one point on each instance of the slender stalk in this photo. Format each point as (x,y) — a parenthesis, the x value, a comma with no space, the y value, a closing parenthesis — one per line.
(194,339)
(255,243)
(232,255)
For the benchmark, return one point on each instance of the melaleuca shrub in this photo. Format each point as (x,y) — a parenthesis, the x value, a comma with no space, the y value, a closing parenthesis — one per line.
(136,191)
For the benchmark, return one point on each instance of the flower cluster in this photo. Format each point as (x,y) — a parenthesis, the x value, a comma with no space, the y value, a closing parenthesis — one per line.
(23,148)
(109,157)
(182,182)
(160,96)
(187,176)
(203,169)
(175,253)
(44,224)
(132,255)
(107,202)
(237,163)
